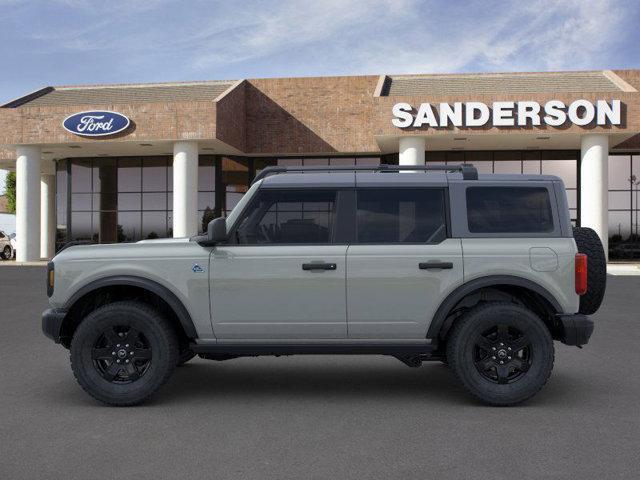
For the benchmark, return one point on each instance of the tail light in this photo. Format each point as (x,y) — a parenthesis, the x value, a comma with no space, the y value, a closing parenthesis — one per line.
(581,273)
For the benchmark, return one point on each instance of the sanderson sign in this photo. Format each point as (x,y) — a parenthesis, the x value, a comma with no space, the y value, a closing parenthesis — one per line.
(507,114)
(96,123)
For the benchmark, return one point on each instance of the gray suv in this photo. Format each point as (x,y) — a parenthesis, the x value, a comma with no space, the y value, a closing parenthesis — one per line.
(424,263)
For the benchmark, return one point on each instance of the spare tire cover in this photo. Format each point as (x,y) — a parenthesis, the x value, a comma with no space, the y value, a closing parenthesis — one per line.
(589,243)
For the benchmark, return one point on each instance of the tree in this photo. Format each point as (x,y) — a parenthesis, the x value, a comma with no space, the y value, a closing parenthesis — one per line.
(10,187)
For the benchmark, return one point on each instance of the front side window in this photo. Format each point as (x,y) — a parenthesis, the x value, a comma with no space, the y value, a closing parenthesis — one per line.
(403,215)
(509,210)
(288,217)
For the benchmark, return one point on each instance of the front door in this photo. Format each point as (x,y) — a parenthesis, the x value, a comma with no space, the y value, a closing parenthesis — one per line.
(282,276)
(402,264)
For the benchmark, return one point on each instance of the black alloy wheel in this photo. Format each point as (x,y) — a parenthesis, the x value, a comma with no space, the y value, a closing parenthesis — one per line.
(501,352)
(123,352)
(6,252)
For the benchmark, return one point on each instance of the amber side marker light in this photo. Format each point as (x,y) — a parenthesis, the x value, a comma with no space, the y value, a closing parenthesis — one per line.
(581,273)
(50,279)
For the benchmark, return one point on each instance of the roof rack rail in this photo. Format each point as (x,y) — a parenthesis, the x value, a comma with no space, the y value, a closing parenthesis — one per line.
(469,172)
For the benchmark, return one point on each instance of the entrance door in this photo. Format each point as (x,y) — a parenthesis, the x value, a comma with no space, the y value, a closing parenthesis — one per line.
(402,264)
(282,276)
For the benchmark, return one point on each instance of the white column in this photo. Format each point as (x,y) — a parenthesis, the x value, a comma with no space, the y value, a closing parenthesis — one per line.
(185,189)
(594,185)
(47,215)
(411,150)
(28,203)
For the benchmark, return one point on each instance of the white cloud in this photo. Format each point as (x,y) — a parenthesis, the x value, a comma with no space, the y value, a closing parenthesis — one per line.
(168,39)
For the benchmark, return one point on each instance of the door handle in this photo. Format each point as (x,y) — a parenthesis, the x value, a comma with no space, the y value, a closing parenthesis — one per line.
(319,266)
(435,265)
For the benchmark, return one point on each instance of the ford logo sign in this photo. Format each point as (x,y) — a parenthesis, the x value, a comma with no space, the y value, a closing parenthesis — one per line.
(96,124)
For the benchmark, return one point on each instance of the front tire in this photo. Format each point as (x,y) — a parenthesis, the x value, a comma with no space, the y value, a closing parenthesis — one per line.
(501,352)
(123,352)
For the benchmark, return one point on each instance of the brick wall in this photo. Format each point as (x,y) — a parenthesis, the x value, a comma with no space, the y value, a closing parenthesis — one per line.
(313,115)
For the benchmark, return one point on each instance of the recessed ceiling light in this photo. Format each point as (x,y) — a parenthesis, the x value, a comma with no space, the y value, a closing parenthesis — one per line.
(533,148)
(146,144)
(543,138)
(460,138)
(74,146)
(457,148)
(207,148)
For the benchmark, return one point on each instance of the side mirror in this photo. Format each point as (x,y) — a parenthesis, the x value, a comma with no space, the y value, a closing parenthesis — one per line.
(217,230)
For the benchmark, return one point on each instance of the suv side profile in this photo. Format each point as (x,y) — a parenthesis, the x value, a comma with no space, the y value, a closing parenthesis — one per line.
(482,272)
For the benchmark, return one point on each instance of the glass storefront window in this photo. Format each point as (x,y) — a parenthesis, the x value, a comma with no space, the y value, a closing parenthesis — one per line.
(507,166)
(129,174)
(81,175)
(619,172)
(154,174)
(565,169)
(624,203)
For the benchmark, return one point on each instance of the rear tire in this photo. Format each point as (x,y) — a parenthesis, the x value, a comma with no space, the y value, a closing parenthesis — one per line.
(501,352)
(123,352)
(589,243)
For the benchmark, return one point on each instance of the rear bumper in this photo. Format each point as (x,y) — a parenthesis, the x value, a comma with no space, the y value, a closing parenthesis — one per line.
(576,329)
(52,319)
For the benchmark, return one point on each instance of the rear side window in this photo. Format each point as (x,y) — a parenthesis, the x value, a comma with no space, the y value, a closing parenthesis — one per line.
(288,217)
(509,210)
(401,215)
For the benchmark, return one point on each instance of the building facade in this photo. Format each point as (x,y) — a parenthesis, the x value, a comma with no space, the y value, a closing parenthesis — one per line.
(114,163)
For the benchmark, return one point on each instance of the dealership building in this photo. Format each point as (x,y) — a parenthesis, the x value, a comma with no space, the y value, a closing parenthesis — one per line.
(114,163)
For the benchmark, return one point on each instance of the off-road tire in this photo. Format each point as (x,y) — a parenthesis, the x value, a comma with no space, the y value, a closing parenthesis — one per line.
(589,243)
(153,328)
(462,350)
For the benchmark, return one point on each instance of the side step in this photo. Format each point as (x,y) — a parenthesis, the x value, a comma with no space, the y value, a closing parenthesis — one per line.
(257,349)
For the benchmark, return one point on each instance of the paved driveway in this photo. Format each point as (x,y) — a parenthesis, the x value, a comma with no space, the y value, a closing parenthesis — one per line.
(318,417)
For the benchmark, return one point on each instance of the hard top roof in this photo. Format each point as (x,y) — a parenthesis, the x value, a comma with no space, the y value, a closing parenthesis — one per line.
(345,179)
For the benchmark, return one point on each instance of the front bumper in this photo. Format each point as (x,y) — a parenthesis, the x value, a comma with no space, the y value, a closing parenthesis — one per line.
(52,319)
(575,329)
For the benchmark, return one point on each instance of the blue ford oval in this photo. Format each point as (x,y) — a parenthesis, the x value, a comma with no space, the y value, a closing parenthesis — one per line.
(96,123)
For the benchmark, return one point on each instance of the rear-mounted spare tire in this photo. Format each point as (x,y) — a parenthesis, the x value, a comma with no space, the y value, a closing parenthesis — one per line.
(589,243)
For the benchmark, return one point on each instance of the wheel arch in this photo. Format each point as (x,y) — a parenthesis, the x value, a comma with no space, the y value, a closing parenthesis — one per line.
(511,285)
(98,292)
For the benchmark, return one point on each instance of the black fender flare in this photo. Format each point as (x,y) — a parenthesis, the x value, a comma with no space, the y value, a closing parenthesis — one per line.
(151,286)
(439,318)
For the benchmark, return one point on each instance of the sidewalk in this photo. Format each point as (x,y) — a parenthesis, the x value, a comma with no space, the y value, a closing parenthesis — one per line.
(13,263)
(623,268)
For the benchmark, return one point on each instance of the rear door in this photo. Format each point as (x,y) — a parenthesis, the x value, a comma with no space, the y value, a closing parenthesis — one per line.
(283,276)
(402,263)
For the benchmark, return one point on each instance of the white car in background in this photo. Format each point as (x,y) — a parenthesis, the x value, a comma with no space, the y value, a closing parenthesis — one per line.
(7,246)
(14,243)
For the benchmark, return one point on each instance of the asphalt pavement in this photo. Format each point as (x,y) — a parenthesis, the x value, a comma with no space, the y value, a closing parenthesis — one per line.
(318,417)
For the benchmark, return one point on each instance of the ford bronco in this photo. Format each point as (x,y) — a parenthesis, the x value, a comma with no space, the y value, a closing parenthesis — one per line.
(434,262)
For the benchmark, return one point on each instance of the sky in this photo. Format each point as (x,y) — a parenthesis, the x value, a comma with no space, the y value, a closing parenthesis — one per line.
(71,42)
